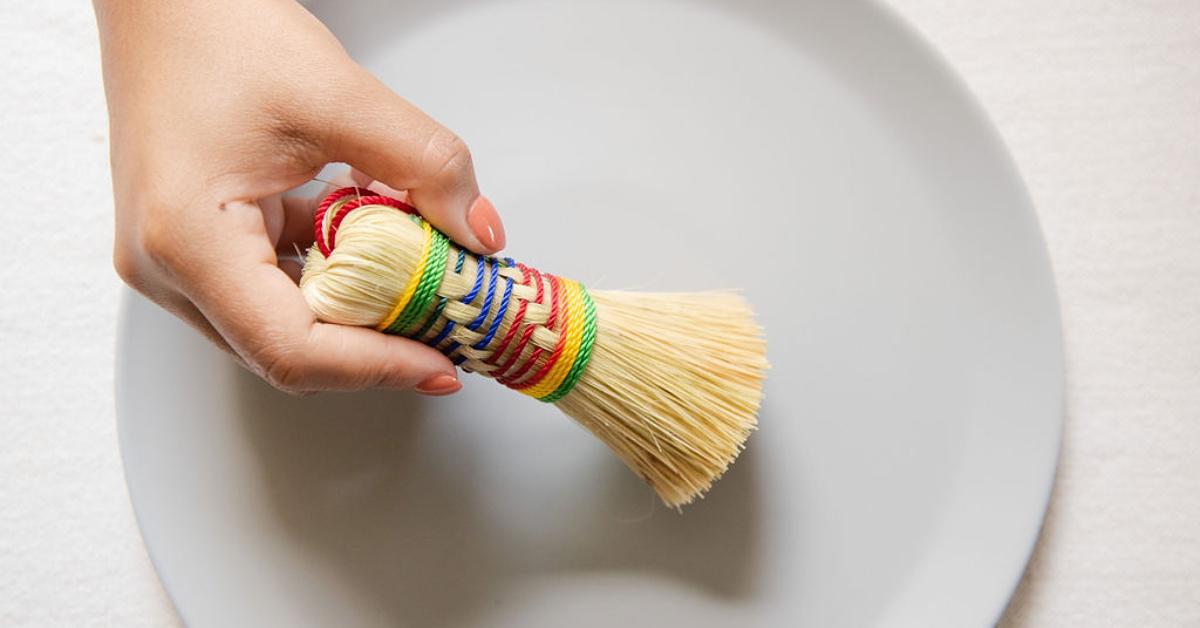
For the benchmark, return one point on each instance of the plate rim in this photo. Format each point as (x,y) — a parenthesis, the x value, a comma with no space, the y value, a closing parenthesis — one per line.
(976,110)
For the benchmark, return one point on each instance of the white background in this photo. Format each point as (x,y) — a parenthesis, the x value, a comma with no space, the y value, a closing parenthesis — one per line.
(1098,101)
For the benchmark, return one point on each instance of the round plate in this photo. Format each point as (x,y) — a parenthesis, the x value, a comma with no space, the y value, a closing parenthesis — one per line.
(815,155)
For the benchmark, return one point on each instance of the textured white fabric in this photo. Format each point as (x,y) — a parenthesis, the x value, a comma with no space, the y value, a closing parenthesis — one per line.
(1099,102)
(70,553)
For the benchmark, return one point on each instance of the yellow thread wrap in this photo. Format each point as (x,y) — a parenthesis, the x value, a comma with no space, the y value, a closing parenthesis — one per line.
(413,281)
(574,337)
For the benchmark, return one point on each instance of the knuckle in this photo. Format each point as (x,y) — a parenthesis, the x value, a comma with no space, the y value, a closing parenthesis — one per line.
(127,263)
(447,155)
(157,240)
(141,248)
(284,370)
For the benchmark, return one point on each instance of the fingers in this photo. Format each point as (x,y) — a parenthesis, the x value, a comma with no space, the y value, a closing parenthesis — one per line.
(363,179)
(263,316)
(359,178)
(336,357)
(297,230)
(397,144)
(289,219)
(183,309)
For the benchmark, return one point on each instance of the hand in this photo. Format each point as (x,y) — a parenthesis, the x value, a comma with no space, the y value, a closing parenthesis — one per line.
(216,109)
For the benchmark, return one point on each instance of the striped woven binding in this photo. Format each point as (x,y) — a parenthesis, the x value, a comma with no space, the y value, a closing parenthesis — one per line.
(531,331)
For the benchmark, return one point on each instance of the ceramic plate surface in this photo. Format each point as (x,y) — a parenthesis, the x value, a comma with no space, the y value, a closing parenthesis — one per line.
(815,155)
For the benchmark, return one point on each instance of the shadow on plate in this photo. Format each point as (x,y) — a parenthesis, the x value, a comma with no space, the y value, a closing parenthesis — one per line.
(354,483)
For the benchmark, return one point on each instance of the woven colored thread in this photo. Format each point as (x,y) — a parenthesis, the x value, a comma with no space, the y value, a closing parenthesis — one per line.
(479,268)
(437,340)
(413,281)
(319,217)
(516,324)
(524,366)
(495,359)
(431,280)
(487,298)
(535,385)
(571,306)
(323,206)
(432,319)
(368,200)
(321,234)
(344,209)
(501,310)
(584,353)
(527,278)
(341,205)
(470,296)
(449,323)
(531,276)
(554,371)
(562,303)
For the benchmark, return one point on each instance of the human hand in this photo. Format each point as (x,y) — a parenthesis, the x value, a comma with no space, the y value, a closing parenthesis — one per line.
(215,110)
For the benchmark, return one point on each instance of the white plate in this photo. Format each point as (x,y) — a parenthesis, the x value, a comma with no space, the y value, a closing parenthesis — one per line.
(817,155)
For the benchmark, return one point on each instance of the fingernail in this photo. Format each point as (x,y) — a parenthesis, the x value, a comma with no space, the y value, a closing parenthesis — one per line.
(438,385)
(485,223)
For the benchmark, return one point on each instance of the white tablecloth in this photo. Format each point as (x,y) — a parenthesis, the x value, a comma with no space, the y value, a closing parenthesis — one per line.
(1098,101)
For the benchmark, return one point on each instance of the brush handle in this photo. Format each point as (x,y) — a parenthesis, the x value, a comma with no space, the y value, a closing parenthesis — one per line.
(530,330)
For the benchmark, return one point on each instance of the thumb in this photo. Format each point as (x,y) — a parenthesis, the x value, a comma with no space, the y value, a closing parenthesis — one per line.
(264,317)
(397,144)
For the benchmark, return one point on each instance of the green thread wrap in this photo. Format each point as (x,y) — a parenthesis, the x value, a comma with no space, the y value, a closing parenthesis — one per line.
(431,279)
(585,350)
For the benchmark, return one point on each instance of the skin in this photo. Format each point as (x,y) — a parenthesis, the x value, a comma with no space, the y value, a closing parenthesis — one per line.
(216,109)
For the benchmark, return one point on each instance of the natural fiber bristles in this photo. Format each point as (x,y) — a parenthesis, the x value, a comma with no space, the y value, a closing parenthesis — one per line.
(670,382)
(674,385)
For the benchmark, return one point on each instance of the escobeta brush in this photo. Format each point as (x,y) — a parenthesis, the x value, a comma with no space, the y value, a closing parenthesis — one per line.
(671,382)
